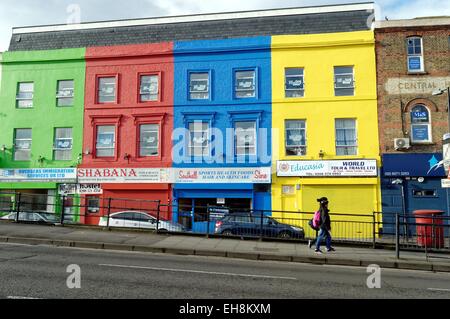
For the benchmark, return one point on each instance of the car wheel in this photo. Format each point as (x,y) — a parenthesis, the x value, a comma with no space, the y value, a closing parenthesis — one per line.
(284,235)
(227,233)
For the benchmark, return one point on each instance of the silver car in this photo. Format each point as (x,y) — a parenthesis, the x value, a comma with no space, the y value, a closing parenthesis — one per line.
(35,217)
(134,219)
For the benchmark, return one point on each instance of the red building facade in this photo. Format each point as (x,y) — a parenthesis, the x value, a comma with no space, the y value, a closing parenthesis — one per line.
(128,122)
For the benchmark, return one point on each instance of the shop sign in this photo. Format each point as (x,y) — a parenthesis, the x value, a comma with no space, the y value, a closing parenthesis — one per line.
(42,175)
(335,168)
(416,85)
(82,189)
(260,175)
(123,175)
(445,183)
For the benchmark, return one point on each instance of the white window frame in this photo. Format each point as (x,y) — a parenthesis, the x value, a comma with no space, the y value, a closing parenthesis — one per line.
(302,147)
(23,149)
(237,90)
(157,130)
(255,140)
(154,96)
(19,92)
(428,124)
(55,146)
(199,92)
(65,94)
(206,151)
(348,146)
(415,55)
(99,90)
(336,85)
(105,148)
(286,77)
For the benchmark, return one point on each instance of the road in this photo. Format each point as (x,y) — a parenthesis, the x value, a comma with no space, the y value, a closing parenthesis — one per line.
(41,272)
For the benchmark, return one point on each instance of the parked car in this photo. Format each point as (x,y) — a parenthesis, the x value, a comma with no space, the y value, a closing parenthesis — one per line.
(134,219)
(247,224)
(35,217)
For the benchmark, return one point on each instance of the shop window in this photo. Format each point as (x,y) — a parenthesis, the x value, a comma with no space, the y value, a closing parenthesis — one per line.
(149,88)
(415,54)
(199,141)
(288,189)
(22,144)
(199,85)
(149,140)
(65,93)
(107,90)
(346,137)
(245,138)
(62,150)
(294,82)
(245,84)
(344,82)
(420,125)
(93,204)
(25,93)
(106,141)
(424,193)
(295,138)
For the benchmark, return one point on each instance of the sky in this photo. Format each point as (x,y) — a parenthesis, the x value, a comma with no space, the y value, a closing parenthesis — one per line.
(19,13)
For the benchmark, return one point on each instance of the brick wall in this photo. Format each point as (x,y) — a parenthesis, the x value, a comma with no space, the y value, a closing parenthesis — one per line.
(391,53)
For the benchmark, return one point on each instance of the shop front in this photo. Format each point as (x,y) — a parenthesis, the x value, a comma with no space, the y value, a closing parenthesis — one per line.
(221,191)
(351,186)
(412,182)
(33,189)
(112,190)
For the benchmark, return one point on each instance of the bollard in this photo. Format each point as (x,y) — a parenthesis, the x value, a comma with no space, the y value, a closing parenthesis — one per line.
(397,236)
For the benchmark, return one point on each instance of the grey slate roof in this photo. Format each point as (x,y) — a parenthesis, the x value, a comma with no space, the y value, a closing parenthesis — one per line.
(233,28)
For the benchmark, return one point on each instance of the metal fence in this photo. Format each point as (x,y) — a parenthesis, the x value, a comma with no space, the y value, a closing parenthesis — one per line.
(403,232)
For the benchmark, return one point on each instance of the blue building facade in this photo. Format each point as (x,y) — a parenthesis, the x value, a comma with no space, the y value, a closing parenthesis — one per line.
(222,120)
(412,182)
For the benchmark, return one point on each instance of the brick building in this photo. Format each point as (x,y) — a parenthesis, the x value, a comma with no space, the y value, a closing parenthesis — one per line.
(413,62)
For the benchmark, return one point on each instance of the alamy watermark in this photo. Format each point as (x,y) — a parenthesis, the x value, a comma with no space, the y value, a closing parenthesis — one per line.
(74,279)
(74,13)
(374,279)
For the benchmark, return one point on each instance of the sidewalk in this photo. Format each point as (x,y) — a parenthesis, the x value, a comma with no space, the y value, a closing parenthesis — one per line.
(84,237)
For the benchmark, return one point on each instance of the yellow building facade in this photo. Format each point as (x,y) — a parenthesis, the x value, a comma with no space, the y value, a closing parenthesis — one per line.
(325,104)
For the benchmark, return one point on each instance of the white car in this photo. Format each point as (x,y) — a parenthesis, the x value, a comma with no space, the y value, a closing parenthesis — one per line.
(133,219)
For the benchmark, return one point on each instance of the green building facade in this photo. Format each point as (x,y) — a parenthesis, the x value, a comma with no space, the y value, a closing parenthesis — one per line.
(41,111)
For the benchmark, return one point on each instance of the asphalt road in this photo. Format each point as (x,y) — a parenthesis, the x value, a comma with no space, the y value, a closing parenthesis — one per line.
(41,272)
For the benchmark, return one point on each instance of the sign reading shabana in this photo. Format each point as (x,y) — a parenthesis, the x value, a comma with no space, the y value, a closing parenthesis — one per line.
(337,168)
(123,175)
(42,175)
(260,175)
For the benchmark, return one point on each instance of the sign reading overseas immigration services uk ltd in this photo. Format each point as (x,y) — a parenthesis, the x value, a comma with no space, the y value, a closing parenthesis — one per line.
(41,175)
(334,168)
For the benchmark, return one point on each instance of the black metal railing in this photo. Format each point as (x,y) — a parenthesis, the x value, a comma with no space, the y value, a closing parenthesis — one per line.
(429,233)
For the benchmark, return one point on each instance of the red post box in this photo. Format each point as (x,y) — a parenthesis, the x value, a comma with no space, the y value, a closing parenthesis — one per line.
(430,233)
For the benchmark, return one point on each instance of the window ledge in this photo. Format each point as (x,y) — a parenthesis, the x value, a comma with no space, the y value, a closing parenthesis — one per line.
(417,73)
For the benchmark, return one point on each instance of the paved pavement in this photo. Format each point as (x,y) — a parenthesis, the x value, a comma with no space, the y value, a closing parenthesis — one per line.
(42,272)
(85,237)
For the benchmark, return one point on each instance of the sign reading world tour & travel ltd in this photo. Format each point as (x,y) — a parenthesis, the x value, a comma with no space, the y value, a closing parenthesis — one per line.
(335,168)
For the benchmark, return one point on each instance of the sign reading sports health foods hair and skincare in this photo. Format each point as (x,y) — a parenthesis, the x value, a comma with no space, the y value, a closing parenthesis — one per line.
(260,175)
(337,168)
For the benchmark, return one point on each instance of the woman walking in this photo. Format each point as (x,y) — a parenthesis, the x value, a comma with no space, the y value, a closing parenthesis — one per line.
(324,226)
